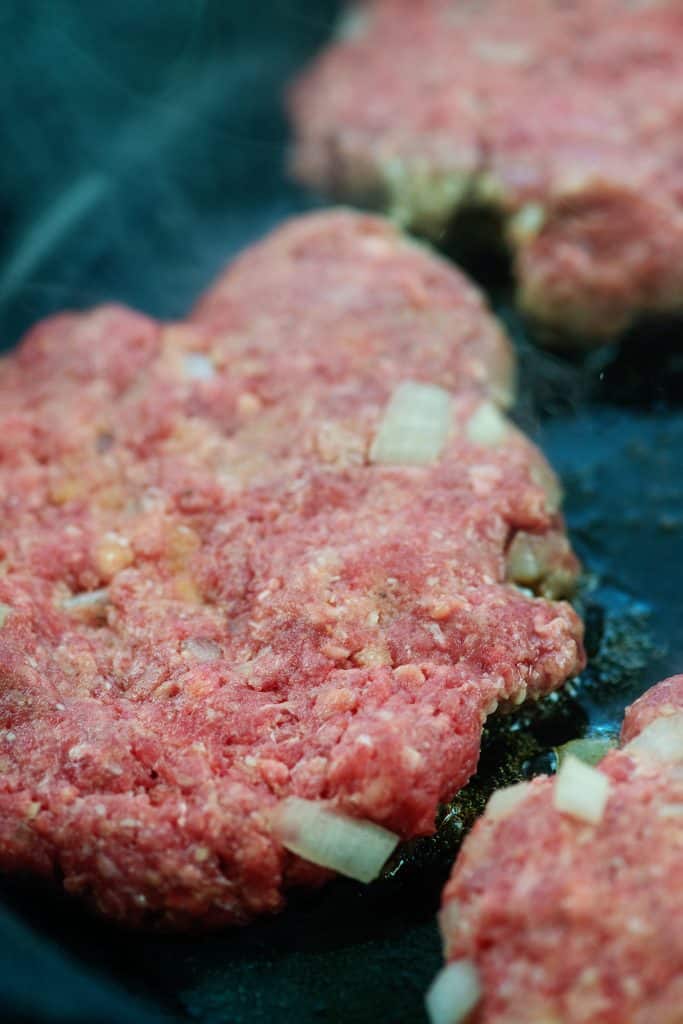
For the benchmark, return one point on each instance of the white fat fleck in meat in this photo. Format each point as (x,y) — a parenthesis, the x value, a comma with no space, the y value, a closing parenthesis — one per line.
(197,366)
(497,51)
(201,649)
(78,752)
(437,633)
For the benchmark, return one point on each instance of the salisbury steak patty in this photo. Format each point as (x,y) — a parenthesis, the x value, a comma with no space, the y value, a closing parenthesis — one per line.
(261,556)
(565,118)
(566,903)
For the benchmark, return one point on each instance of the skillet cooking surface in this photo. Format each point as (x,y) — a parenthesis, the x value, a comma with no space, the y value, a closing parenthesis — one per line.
(140,152)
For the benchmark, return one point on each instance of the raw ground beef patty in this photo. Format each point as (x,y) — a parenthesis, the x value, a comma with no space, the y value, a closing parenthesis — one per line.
(566,902)
(221,586)
(564,118)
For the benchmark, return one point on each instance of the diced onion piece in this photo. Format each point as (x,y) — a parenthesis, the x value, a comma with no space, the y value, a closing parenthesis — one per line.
(454,993)
(543,475)
(449,918)
(487,426)
(197,366)
(505,800)
(581,791)
(415,426)
(590,749)
(527,591)
(541,562)
(527,222)
(5,611)
(84,602)
(355,848)
(662,739)
(523,561)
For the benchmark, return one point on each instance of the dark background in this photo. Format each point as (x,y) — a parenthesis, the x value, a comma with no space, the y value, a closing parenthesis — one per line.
(142,145)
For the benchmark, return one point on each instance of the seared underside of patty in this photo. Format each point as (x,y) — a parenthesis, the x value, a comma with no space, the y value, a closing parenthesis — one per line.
(215,594)
(565,920)
(567,119)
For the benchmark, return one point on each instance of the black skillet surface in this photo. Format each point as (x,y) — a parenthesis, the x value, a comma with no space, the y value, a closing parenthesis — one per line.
(143,145)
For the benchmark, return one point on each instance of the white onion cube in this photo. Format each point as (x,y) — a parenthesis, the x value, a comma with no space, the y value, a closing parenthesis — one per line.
(5,611)
(523,562)
(590,749)
(415,426)
(487,426)
(197,366)
(581,791)
(454,993)
(662,739)
(355,848)
(87,600)
(527,222)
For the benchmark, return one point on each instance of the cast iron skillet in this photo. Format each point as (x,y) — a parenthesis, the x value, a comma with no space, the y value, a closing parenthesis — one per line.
(143,145)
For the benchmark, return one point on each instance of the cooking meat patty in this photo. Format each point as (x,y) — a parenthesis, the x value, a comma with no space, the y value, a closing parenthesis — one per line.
(566,119)
(566,902)
(258,576)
